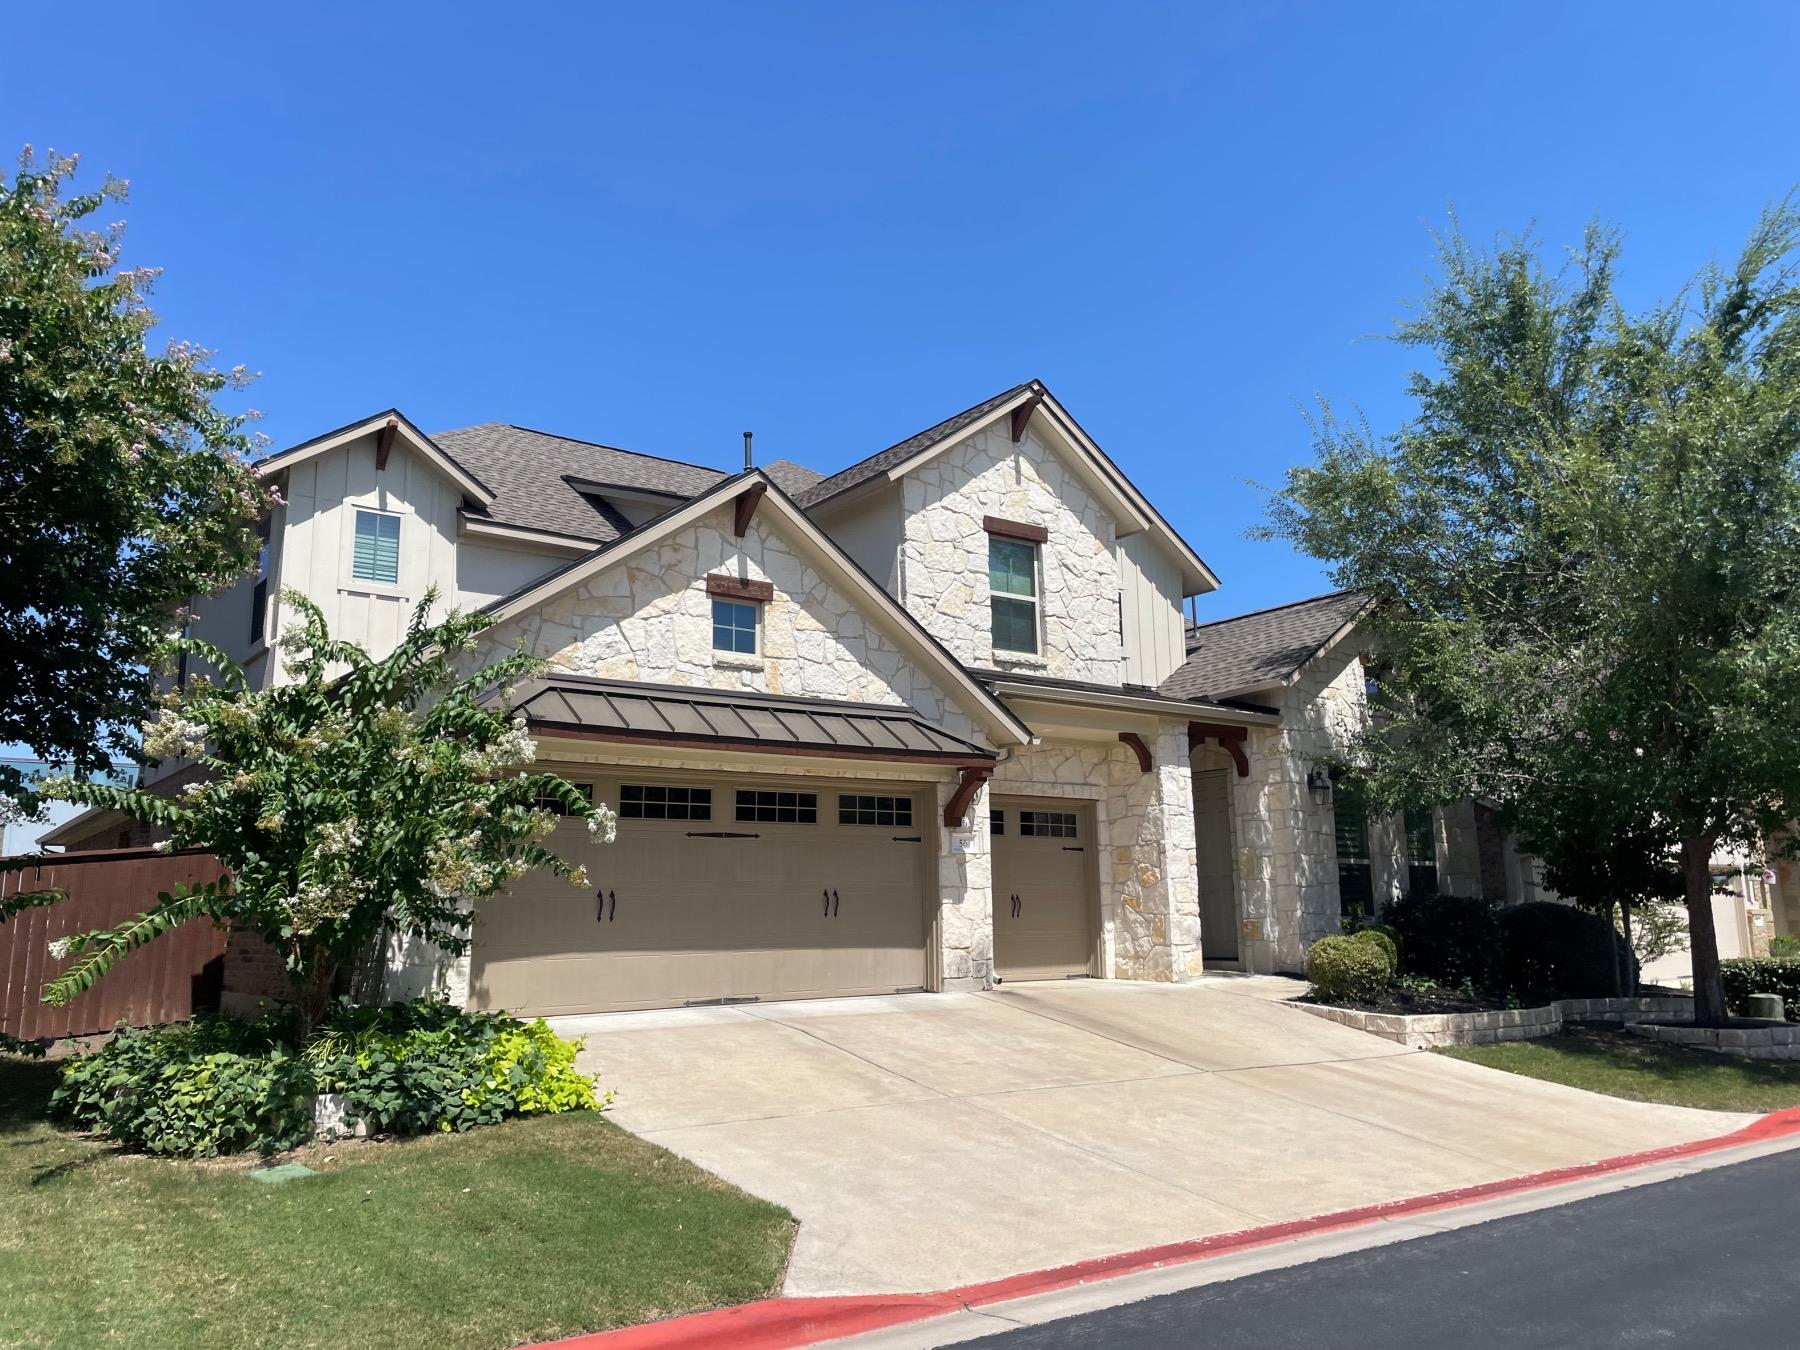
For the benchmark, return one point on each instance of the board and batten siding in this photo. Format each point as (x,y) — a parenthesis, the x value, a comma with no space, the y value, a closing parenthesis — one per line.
(323,496)
(1150,597)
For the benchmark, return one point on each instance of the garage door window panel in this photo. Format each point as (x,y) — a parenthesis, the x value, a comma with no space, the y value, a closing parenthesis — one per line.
(1047,824)
(654,801)
(860,809)
(779,808)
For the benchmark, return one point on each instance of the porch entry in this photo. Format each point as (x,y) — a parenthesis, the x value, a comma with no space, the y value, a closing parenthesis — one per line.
(1045,888)
(1213,865)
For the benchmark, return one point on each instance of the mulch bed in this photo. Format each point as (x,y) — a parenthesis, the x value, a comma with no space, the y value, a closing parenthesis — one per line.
(1418,1002)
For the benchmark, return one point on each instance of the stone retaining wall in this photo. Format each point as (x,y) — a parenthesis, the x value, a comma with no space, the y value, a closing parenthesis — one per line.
(1765,1042)
(1423,1030)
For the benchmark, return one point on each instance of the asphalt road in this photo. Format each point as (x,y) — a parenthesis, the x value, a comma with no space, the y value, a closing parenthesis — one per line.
(1707,1260)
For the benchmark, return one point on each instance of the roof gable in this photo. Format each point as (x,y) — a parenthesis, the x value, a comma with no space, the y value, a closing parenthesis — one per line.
(1030,404)
(1266,649)
(776,510)
(394,423)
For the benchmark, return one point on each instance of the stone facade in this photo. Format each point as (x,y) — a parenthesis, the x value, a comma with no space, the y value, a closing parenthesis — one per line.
(944,556)
(648,617)
(1286,847)
(1149,906)
(1422,1031)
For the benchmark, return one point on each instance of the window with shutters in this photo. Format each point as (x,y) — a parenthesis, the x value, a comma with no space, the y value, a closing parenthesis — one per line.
(1421,853)
(1350,817)
(376,556)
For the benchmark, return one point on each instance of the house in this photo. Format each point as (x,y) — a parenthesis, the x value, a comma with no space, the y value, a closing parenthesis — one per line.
(932,721)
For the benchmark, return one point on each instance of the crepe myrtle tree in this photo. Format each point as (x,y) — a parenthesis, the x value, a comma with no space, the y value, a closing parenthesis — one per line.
(124,487)
(363,797)
(1585,545)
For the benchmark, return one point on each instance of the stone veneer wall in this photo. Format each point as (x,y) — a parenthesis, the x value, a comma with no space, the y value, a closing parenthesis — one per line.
(1421,1031)
(648,617)
(1285,841)
(944,555)
(1149,905)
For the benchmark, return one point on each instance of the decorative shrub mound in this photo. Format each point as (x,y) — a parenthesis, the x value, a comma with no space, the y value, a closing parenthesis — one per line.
(1558,950)
(1746,975)
(1383,937)
(1446,938)
(221,1085)
(1349,969)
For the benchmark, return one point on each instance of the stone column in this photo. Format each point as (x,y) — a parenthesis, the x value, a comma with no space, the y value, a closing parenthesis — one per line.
(965,896)
(1157,933)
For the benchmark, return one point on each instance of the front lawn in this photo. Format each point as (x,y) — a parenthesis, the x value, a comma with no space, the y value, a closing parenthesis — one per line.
(1607,1060)
(521,1231)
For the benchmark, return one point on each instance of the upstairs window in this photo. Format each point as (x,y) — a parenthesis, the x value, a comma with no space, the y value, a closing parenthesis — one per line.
(377,553)
(1012,584)
(734,626)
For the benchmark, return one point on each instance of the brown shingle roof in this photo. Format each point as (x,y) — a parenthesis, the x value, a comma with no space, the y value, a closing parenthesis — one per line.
(527,470)
(1262,650)
(883,460)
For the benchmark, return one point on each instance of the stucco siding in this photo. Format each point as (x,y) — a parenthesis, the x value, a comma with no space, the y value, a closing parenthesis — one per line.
(485,572)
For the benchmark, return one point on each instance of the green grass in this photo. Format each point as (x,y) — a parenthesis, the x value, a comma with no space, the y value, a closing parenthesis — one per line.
(1610,1061)
(517,1232)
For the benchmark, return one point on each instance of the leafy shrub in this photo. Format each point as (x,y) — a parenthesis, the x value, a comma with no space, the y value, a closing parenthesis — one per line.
(195,1089)
(1748,975)
(423,1066)
(1348,970)
(1449,939)
(1382,937)
(220,1085)
(1548,948)
(1784,948)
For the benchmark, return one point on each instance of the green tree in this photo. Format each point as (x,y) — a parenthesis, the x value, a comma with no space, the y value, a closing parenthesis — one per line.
(363,797)
(1586,545)
(123,489)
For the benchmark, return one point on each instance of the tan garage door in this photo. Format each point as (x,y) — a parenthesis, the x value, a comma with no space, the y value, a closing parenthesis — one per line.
(716,888)
(1044,889)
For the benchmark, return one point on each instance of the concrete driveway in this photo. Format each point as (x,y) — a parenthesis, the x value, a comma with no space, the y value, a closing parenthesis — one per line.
(926,1141)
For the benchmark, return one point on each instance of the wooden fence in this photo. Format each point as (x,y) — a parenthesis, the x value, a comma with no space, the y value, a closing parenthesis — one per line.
(166,980)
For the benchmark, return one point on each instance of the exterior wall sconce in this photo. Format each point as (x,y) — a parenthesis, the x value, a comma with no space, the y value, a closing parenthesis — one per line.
(1318,783)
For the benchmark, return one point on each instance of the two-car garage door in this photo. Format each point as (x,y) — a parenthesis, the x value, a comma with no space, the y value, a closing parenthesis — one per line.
(717,888)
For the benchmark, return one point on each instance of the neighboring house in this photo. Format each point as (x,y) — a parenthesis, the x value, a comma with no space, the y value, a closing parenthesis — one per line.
(24,836)
(929,722)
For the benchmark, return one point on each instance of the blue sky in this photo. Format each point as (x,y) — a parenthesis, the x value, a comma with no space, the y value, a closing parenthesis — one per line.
(835,224)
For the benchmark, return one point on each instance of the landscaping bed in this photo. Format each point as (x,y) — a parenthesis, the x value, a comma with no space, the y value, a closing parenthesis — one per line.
(1403,1001)
(1610,1060)
(525,1230)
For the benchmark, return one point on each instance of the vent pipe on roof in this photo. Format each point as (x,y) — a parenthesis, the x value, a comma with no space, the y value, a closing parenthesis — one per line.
(748,464)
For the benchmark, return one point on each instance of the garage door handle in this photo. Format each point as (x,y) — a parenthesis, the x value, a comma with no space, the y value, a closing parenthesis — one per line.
(835,902)
(601,914)
(827,895)
(1018,906)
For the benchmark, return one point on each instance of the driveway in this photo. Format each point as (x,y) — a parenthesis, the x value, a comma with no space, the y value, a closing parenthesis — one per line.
(928,1140)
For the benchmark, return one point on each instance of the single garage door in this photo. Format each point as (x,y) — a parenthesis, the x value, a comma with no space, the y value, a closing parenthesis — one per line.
(1044,889)
(716,889)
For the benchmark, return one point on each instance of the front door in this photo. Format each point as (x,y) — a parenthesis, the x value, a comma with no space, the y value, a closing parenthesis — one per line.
(1212,841)
(1043,889)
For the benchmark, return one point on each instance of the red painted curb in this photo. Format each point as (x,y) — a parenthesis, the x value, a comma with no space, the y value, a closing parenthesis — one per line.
(786,1323)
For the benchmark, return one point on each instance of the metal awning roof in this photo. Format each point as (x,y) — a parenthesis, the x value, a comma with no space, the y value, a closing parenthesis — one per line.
(667,714)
